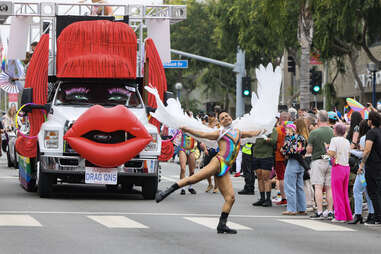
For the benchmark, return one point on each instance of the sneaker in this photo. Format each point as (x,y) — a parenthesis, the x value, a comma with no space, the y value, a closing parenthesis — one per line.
(276,199)
(317,216)
(373,223)
(192,191)
(283,202)
(238,174)
(302,213)
(330,216)
(337,221)
(182,192)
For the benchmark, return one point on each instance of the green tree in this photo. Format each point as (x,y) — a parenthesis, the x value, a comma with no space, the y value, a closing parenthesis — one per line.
(196,35)
(343,28)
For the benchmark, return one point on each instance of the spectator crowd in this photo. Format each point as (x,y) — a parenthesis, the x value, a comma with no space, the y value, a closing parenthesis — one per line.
(320,163)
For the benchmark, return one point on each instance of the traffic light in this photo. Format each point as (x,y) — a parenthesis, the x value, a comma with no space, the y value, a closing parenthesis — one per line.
(246,86)
(316,78)
(291,64)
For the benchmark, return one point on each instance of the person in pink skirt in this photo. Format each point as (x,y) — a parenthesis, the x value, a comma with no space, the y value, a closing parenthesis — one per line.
(339,150)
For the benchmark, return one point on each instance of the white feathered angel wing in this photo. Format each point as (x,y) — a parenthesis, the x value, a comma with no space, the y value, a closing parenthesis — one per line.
(264,104)
(173,116)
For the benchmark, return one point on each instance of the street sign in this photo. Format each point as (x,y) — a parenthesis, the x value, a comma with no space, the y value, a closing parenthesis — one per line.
(179,64)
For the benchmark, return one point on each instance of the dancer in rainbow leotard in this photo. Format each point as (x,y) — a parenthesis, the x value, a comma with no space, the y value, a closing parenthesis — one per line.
(233,143)
(229,140)
(187,156)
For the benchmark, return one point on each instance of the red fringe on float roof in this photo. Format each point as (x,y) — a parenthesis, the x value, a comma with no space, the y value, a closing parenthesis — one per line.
(97,49)
(156,76)
(37,78)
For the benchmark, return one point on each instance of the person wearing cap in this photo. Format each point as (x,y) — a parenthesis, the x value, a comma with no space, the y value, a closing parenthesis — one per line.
(332,118)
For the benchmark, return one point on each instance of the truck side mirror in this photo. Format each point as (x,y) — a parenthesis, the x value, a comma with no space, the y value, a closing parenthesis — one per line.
(27,96)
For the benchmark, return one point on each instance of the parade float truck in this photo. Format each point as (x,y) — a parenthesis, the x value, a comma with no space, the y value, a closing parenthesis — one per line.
(91,125)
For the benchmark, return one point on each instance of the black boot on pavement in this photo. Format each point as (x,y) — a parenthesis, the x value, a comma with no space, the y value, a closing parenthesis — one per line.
(267,202)
(356,219)
(163,194)
(261,200)
(246,192)
(222,228)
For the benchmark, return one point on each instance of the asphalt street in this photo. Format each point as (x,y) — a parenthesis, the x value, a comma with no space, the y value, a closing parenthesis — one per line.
(90,219)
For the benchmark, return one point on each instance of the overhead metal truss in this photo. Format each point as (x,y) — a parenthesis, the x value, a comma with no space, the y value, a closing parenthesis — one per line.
(47,11)
(174,13)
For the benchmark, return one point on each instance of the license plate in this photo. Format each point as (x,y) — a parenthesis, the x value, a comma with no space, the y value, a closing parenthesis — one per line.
(101,175)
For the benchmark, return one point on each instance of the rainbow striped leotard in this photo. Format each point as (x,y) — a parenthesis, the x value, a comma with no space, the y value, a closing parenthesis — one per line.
(187,144)
(232,138)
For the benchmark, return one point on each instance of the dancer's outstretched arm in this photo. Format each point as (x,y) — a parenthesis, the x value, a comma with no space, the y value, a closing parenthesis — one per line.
(201,134)
(249,134)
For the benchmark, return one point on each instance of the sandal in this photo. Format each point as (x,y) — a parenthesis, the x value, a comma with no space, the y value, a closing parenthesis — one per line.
(288,213)
(209,188)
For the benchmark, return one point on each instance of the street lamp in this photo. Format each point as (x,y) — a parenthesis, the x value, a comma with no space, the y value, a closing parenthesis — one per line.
(372,67)
(178,87)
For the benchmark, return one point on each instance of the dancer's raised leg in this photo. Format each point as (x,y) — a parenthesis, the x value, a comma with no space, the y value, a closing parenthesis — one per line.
(204,173)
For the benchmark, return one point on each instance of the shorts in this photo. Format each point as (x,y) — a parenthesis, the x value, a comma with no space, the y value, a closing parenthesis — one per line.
(280,168)
(263,163)
(321,172)
(207,158)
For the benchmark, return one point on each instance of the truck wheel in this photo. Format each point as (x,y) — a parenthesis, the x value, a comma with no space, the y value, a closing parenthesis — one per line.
(149,188)
(45,184)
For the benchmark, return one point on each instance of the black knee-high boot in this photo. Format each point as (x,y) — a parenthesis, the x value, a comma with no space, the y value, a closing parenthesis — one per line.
(163,194)
(222,228)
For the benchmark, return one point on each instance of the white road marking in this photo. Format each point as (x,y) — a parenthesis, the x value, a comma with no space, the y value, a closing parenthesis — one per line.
(143,213)
(9,177)
(117,222)
(169,179)
(317,225)
(18,221)
(213,222)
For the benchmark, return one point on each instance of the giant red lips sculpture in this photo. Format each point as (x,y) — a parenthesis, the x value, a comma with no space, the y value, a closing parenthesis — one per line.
(107,120)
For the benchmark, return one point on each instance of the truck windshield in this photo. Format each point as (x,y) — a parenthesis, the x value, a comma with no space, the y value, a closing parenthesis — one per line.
(90,94)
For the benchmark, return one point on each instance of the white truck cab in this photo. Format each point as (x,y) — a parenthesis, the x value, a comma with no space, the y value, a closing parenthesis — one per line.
(58,161)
